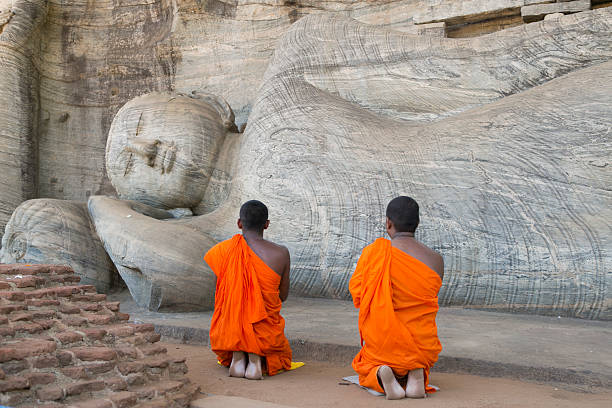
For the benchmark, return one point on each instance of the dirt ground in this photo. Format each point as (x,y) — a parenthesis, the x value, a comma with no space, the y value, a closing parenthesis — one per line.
(317,384)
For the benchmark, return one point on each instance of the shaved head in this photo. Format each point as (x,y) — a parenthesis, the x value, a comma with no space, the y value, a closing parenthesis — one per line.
(403,212)
(253,215)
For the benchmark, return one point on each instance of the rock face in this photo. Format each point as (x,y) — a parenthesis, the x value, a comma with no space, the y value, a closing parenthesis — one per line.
(501,186)
(19,115)
(513,193)
(330,102)
(47,230)
(538,11)
(64,345)
(94,56)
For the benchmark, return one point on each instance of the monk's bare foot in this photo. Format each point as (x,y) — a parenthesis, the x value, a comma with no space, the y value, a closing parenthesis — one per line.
(392,388)
(239,364)
(415,387)
(253,370)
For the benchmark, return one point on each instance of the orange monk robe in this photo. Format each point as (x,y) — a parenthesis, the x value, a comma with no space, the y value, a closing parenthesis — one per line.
(397,299)
(247,306)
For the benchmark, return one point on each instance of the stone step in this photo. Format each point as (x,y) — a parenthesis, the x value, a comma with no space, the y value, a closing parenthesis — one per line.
(66,345)
(525,347)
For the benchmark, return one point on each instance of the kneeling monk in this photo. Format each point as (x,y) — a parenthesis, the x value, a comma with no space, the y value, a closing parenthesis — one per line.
(252,282)
(395,286)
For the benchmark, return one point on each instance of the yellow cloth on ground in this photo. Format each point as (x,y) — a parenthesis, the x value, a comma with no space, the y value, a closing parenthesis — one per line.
(295,364)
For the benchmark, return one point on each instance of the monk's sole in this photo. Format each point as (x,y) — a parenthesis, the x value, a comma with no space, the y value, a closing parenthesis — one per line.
(253,376)
(236,373)
(238,366)
(392,388)
(417,391)
(254,361)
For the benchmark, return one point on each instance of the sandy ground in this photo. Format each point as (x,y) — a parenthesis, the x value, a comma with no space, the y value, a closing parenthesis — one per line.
(317,384)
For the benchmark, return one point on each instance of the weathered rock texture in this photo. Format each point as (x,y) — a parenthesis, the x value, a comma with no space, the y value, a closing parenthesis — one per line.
(331,72)
(94,56)
(536,12)
(513,192)
(58,231)
(19,102)
(160,261)
(64,345)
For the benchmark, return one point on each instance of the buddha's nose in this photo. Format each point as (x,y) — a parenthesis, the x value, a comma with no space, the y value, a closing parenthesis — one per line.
(147,149)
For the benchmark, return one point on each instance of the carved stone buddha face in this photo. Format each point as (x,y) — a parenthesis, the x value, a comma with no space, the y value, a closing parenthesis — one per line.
(161,149)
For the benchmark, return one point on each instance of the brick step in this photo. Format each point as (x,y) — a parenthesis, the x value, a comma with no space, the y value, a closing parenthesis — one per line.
(65,345)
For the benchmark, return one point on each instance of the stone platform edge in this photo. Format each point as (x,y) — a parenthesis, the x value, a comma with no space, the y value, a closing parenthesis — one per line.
(340,353)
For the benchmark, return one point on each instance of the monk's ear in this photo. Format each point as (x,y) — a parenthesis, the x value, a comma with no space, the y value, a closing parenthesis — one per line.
(239,223)
(267,224)
(389,224)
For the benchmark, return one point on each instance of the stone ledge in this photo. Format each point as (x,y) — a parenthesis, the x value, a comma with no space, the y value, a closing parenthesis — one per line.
(341,353)
(487,343)
(537,12)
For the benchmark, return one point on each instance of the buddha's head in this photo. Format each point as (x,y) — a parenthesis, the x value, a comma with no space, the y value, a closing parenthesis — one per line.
(162,147)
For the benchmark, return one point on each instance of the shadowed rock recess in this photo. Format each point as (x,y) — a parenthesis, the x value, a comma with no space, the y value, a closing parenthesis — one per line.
(63,345)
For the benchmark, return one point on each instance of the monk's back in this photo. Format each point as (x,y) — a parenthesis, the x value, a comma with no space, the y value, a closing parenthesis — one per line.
(422,253)
(273,255)
(247,328)
(395,286)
